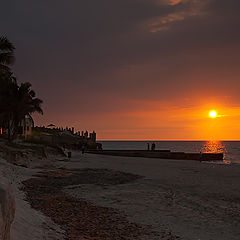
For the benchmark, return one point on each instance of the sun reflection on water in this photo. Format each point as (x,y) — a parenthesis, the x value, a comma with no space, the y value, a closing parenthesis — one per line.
(215,147)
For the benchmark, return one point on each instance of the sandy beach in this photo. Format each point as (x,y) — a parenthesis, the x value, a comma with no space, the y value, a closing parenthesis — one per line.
(106,197)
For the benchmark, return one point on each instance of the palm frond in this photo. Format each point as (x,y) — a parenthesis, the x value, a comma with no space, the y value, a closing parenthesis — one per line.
(7,58)
(6,45)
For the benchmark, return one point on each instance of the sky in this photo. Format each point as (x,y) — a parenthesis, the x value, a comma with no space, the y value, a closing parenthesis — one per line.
(131,69)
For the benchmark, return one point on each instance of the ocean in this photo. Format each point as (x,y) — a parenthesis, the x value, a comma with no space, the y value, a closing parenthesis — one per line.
(230,149)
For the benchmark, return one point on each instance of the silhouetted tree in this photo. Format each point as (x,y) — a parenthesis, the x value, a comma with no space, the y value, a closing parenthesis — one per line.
(6,54)
(16,102)
(8,92)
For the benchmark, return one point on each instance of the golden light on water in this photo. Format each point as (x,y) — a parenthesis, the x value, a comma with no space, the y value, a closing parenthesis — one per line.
(213,114)
(213,147)
(216,147)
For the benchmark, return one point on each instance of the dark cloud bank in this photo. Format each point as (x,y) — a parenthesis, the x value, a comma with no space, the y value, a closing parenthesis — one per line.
(96,55)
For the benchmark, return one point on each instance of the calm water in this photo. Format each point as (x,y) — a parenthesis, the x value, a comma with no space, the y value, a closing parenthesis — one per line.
(231,150)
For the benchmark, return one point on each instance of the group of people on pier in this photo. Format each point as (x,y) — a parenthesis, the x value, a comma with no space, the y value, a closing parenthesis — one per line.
(153,146)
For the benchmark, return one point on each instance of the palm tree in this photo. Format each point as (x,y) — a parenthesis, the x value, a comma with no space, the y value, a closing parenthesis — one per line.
(8,92)
(6,54)
(16,102)
(26,103)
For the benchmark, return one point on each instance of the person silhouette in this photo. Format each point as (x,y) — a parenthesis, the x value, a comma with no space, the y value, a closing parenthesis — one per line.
(83,149)
(153,146)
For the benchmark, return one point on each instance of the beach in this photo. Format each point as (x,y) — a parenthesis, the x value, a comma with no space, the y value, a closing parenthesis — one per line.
(105,197)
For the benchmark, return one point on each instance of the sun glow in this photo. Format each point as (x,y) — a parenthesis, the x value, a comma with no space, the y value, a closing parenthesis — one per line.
(213,114)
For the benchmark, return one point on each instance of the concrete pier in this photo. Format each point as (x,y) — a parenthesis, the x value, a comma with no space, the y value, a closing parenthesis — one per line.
(163,154)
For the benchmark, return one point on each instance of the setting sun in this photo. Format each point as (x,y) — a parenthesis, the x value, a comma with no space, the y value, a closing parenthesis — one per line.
(213,114)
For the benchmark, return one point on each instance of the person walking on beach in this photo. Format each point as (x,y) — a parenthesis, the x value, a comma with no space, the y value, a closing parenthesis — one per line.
(83,149)
(148,146)
(153,146)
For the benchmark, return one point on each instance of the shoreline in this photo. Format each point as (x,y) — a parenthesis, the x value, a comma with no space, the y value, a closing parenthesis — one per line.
(228,148)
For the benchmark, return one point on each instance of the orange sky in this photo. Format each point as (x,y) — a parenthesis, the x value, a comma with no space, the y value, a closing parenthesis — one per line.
(131,69)
(175,123)
(161,121)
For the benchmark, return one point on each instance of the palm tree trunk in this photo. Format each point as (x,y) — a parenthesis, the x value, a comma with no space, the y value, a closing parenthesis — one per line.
(9,132)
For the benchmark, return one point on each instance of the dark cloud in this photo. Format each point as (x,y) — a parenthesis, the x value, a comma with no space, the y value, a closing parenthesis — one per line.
(96,50)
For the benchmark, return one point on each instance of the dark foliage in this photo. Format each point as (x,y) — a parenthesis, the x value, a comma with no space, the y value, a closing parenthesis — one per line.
(6,54)
(16,101)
